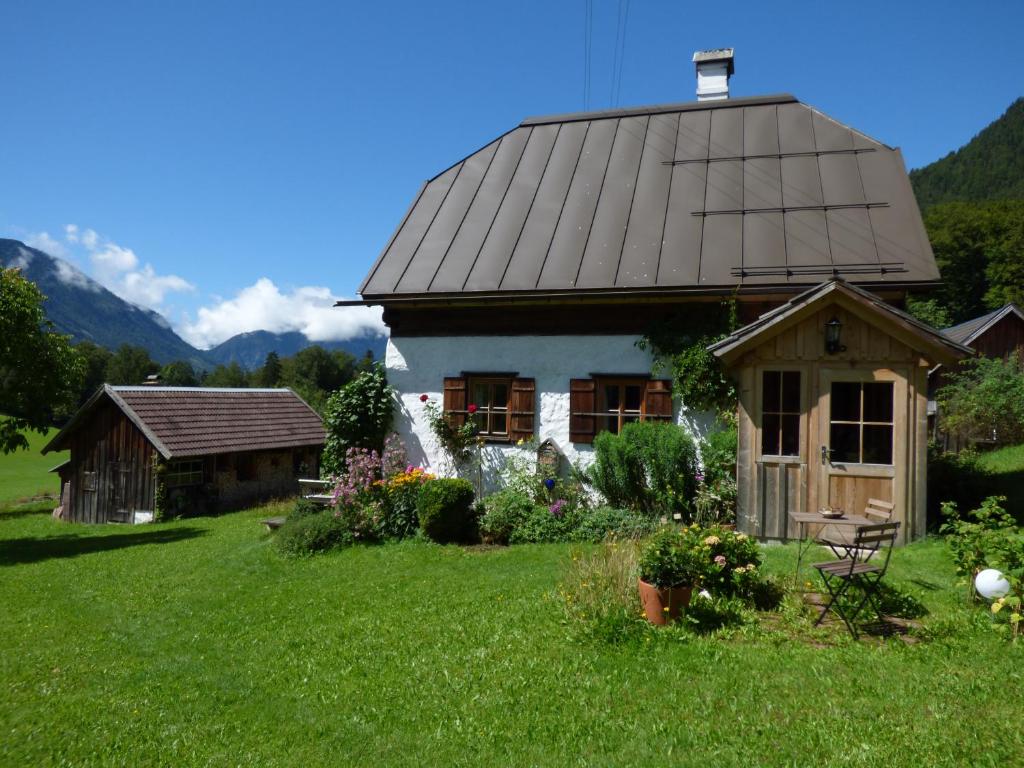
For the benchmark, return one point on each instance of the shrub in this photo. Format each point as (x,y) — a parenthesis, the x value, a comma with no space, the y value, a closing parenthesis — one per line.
(715,500)
(606,521)
(649,466)
(669,559)
(975,537)
(308,534)
(305,508)
(359,415)
(504,513)
(445,508)
(984,400)
(954,477)
(547,524)
(400,492)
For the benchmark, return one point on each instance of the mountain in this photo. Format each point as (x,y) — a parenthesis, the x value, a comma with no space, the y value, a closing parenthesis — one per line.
(250,350)
(989,167)
(78,305)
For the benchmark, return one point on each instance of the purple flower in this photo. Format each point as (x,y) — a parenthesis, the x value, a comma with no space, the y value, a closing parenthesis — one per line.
(556,508)
(549,483)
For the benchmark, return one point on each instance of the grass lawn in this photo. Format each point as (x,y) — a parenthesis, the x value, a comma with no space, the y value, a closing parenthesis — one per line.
(194,643)
(1008,465)
(26,473)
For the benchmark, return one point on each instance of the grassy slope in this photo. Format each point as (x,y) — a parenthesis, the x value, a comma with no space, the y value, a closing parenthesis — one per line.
(1008,465)
(26,473)
(193,643)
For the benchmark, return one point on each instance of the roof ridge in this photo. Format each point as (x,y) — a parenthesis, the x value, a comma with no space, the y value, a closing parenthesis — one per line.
(652,109)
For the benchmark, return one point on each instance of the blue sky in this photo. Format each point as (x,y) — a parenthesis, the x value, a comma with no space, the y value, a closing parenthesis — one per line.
(237,165)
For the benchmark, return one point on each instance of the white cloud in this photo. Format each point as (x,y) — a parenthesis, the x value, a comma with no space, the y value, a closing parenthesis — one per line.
(43,242)
(117,268)
(262,306)
(69,274)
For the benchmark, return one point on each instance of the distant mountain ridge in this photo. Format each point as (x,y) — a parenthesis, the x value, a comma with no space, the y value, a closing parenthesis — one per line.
(989,167)
(79,306)
(250,350)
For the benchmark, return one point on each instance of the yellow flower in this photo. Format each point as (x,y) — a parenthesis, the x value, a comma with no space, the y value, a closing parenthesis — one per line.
(997,606)
(712,540)
(665,609)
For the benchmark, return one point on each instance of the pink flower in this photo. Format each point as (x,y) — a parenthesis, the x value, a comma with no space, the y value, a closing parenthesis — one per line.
(471,409)
(720,560)
(424,398)
(409,468)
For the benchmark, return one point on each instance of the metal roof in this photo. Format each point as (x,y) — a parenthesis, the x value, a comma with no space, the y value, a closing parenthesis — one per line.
(968,331)
(197,421)
(704,196)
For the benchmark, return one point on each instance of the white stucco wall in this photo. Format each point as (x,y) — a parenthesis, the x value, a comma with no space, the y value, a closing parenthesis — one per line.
(418,365)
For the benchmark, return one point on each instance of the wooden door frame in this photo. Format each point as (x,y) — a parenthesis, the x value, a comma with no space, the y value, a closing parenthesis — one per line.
(898,470)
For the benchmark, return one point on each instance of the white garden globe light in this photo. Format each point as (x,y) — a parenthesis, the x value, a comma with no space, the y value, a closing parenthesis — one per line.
(991,584)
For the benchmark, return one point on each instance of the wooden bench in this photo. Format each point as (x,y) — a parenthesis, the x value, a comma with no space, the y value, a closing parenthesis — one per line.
(273,523)
(314,490)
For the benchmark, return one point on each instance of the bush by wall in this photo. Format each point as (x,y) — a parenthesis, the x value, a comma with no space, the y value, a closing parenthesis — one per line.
(305,535)
(359,415)
(445,508)
(649,467)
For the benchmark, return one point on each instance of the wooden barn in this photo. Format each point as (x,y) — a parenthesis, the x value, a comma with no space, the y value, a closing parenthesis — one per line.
(833,408)
(141,452)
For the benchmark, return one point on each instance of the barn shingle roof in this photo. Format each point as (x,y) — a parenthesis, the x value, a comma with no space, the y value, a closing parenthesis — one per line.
(705,196)
(968,331)
(197,421)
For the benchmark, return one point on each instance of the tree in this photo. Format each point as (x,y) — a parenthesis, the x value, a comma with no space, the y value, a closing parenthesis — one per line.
(270,374)
(179,374)
(359,415)
(227,376)
(96,361)
(314,373)
(929,311)
(984,400)
(40,372)
(130,365)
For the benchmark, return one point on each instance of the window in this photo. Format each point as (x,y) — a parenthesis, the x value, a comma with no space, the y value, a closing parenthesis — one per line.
(608,403)
(491,398)
(186,472)
(780,413)
(860,429)
(502,404)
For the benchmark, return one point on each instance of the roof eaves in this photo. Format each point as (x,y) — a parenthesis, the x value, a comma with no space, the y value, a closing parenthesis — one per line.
(80,414)
(136,419)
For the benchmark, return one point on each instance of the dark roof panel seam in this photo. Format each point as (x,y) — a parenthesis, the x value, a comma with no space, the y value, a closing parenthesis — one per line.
(597,201)
(743,191)
(867,212)
(472,200)
(668,201)
(632,199)
(703,219)
(821,189)
(529,209)
(782,191)
(497,210)
(561,210)
(433,218)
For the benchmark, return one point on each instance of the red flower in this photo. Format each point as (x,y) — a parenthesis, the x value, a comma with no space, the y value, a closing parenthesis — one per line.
(471,409)
(424,398)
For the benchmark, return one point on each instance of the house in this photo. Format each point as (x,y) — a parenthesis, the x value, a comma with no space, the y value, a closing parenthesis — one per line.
(521,278)
(137,451)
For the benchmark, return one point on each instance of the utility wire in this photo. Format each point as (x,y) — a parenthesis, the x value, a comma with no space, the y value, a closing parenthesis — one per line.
(615,54)
(588,36)
(622,54)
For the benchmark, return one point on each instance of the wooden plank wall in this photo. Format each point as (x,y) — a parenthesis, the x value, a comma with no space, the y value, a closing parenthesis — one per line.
(106,447)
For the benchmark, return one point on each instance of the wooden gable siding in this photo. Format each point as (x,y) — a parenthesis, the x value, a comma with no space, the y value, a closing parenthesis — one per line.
(1002,339)
(111,469)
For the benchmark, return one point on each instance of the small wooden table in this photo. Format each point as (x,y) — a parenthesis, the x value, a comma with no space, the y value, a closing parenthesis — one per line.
(803,519)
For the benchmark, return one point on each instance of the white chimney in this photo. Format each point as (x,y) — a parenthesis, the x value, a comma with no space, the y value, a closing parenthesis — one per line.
(713,70)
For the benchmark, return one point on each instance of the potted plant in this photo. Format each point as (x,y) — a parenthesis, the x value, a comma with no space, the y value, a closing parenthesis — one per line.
(670,567)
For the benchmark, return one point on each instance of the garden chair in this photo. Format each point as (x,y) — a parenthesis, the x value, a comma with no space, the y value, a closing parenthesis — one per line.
(855,571)
(840,540)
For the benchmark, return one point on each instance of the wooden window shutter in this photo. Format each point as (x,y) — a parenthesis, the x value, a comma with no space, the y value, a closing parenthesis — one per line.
(455,401)
(522,405)
(582,405)
(658,400)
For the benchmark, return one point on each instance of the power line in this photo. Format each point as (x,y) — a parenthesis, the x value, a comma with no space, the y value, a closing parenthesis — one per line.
(615,54)
(622,54)
(588,45)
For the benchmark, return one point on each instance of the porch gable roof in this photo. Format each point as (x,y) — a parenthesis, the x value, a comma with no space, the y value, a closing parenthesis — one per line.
(931,342)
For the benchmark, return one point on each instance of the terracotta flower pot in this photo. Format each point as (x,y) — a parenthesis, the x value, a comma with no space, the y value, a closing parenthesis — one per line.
(663,603)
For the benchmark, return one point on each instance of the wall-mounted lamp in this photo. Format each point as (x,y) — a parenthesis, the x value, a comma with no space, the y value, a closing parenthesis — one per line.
(832,330)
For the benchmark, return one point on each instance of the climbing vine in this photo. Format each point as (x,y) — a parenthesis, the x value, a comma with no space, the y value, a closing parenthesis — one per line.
(679,346)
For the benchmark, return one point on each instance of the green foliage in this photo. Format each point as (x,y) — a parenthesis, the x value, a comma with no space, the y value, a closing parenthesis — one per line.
(599,594)
(929,311)
(983,400)
(649,466)
(671,559)
(445,508)
(973,536)
(679,346)
(179,374)
(978,249)
(359,415)
(40,372)
(305,508)
(456,441)
(960,478)
(26,474)
(504,514)
(270,374)
(96,361)
(604,522)
(990,166)
(308,534)
(314,373)
(229,376)
(130,365)
(715,498)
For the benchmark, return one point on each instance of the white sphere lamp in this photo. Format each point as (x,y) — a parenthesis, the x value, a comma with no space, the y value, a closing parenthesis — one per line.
(991,584)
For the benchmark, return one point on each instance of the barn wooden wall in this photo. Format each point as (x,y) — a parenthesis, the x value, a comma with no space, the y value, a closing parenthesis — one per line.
(111,469)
